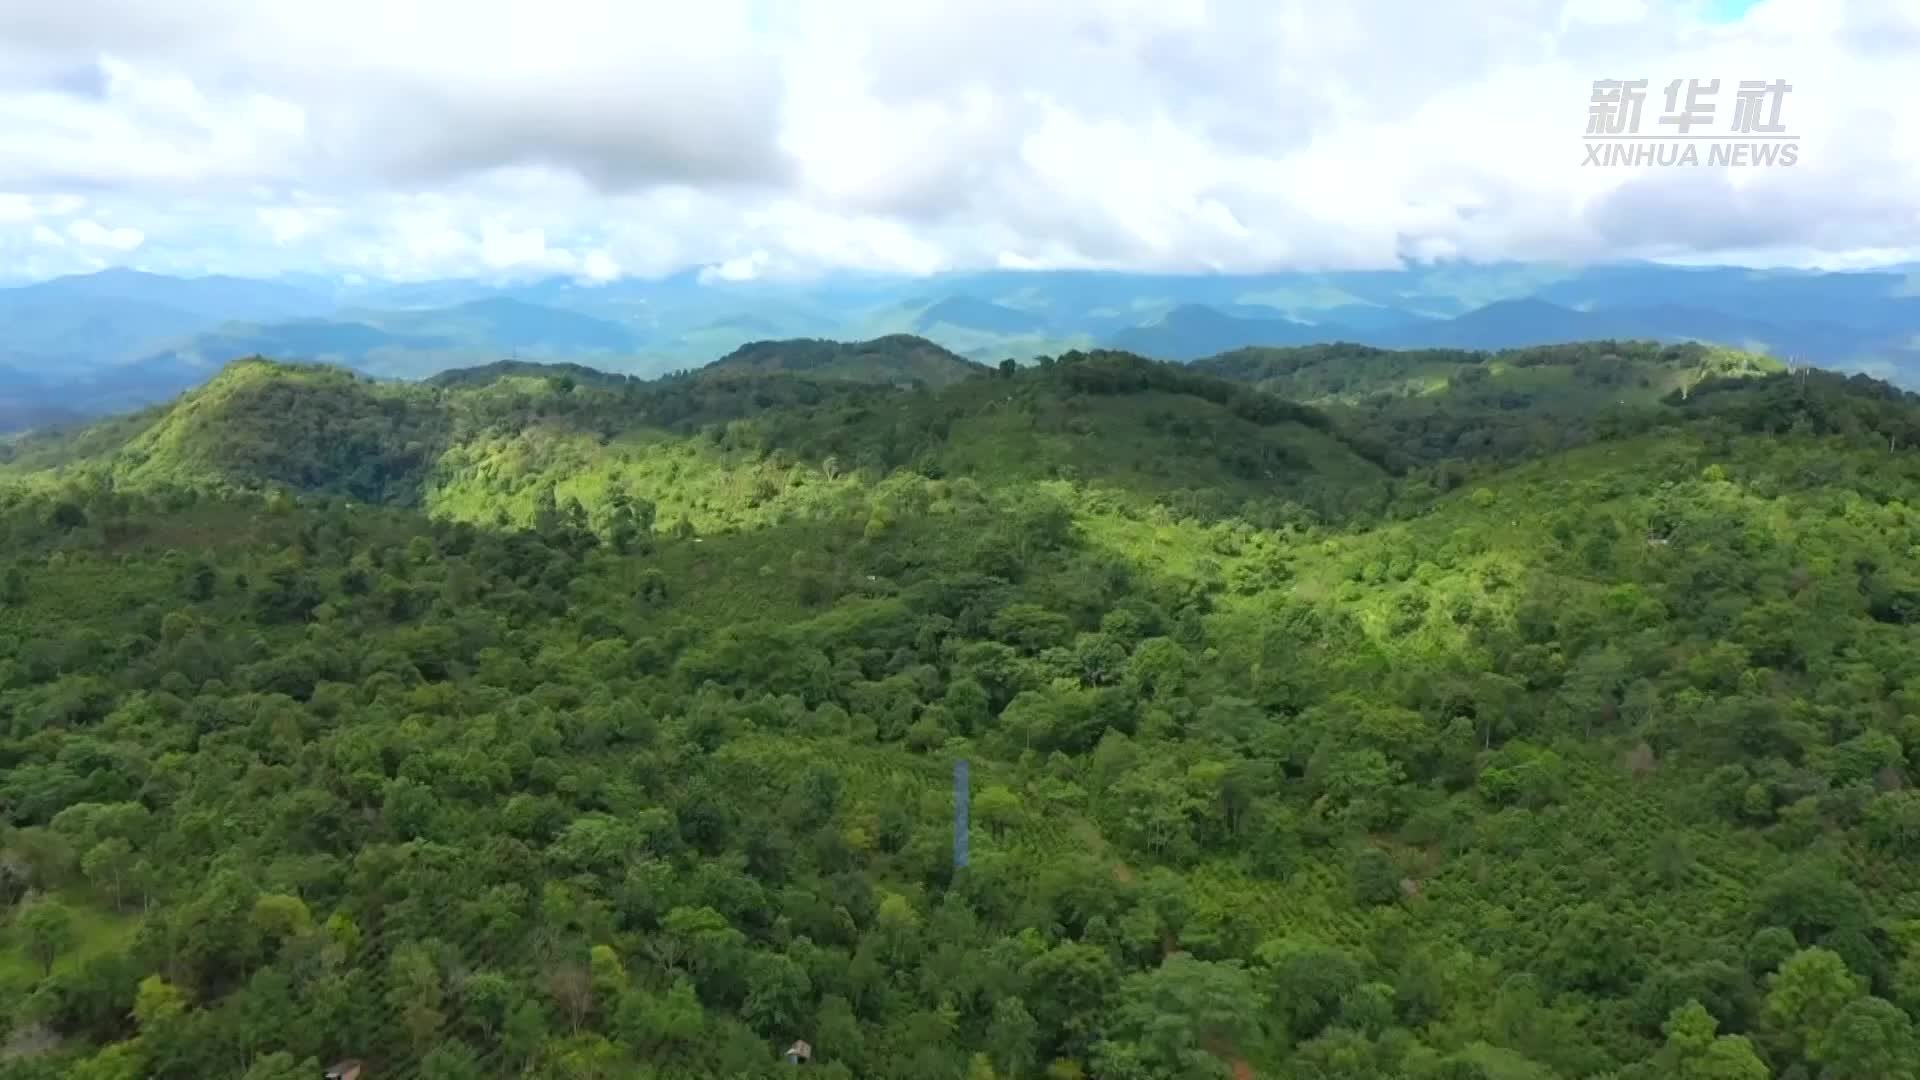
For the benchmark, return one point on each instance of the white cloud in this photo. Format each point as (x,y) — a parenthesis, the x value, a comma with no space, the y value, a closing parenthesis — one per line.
(742,268)
(291,224)
(599,266)
(15,209)
(18,209)
(149,130)
(506,248)
(91,233)
(1605,12)
(599,137)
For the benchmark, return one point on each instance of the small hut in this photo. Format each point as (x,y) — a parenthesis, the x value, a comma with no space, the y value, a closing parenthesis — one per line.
(800,1053)
(346,1070)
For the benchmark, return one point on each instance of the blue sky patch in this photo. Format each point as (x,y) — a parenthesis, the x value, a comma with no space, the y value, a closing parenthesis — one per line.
(1727,11)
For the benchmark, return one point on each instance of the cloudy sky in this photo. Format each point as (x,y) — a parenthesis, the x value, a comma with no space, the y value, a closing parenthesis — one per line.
(782,137)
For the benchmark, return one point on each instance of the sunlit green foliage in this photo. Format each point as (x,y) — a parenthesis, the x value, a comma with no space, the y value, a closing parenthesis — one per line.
(538,725)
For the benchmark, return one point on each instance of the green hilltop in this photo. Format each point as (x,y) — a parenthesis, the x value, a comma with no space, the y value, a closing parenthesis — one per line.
(1331,714)
(1438,404)
(484,374)
(477,444)
(895,359)
(1605,371)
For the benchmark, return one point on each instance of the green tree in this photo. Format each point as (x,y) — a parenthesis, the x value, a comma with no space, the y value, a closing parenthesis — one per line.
(1179,1018)
(109,868)
(998,809)
(415,994)
(1694,1052)
(280,917)
(1011,1037)
(1805,997)
(47,928)
(157,1002)
(1870,1039)
(117,1061)
(1069,987)
(1305,982)
(778,993)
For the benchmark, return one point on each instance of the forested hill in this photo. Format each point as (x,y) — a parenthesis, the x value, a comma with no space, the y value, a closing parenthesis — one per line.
(535,725)
(897,359)
(565,375)
(481,445)
(1459,405)
(1640,371)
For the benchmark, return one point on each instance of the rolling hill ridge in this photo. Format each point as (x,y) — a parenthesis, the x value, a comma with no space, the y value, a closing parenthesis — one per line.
(120,339)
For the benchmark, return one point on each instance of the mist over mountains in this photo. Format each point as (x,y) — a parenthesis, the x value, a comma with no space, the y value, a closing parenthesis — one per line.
(116,339)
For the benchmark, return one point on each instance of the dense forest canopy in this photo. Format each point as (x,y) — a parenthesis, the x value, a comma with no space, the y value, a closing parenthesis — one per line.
(1556,721)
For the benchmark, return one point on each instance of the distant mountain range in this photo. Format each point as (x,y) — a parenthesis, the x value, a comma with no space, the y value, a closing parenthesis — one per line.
(120,338)
(1192,331)
(1888,347)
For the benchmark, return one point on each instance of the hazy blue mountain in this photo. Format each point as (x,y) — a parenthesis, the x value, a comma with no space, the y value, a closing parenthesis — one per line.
(56,334)
(505,323)
(329,340)
(216,297)
(684,322)
(1776,295)
(717,334)
(973,313)
(412,343)
(25,414)
(64,327)
(29,400)
(423,294)
(1368,319)
(758,327)
(1192,331)
(1503,324)
(1861,328)
(1517,323)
